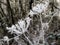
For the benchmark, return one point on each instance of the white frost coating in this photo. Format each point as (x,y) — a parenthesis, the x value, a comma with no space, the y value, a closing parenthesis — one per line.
(18,27)
(22,24)
(31,13)
(28,21)
(39,8)
(13,29)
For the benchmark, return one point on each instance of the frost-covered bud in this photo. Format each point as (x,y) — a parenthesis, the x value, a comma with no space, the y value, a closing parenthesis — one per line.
(5,38)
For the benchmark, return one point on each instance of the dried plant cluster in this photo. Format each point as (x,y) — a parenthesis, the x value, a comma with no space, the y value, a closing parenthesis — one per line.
(29,22)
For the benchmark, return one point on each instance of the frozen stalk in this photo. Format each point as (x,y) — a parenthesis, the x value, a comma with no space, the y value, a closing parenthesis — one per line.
(28,40)
(45,27)
(42,31)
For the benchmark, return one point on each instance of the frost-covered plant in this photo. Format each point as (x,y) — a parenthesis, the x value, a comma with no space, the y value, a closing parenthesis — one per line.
(19,28)
(39,8)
